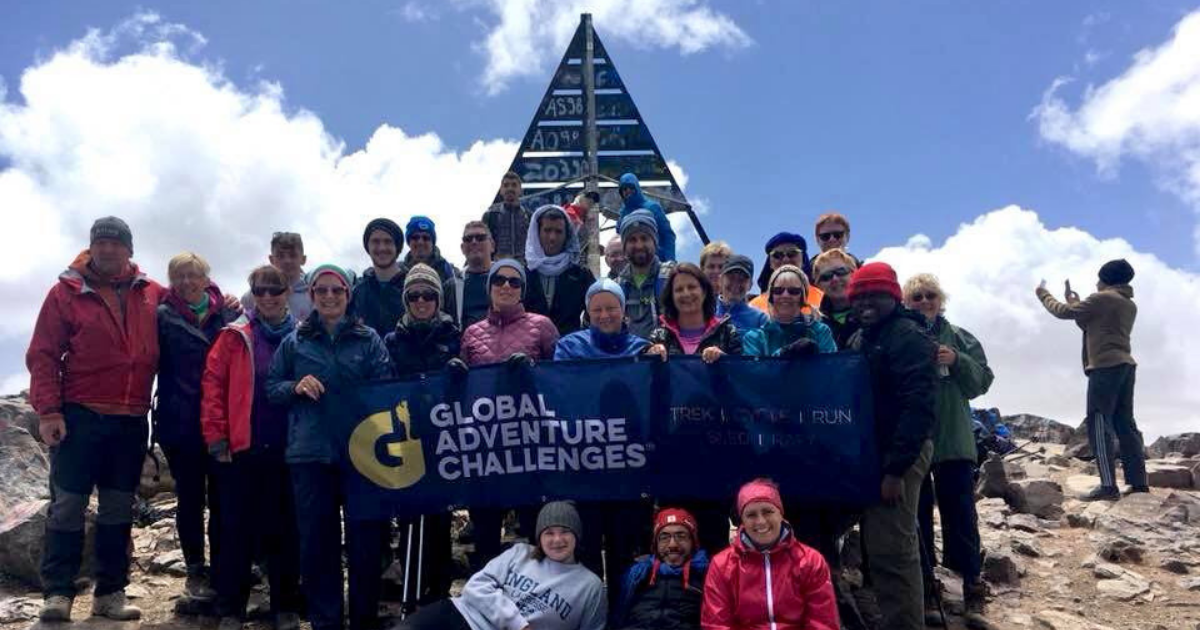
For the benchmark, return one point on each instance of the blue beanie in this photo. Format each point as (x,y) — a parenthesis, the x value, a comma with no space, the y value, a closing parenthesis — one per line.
(419,224)
(507,262)
(604,285)
(786,237)
(639,219)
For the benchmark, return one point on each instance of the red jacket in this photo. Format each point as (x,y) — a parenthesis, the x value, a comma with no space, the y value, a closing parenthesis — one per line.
(228,388)
(788,588)
(493,339)
(84,351)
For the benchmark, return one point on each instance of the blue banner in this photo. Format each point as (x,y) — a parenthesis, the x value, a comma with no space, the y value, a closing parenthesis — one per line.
(611,430)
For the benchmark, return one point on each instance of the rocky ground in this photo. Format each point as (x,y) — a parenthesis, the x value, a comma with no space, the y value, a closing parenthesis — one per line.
(1053,563)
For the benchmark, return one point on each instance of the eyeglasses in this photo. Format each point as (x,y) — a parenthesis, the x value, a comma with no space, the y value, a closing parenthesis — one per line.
(679,537)
(840,272)
(825,236)
(474,238)
(788,290)
(922,297)
(413,296)
(781,254)
(271,291)
(420,236)
(329,290)
(514,282)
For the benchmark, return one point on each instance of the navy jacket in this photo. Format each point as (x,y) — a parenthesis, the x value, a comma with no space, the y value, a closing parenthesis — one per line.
(422,347)
(593,344)
(638,201)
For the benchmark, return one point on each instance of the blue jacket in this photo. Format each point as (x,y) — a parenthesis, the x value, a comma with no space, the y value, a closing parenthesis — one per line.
(638,201)
(770,339)
(669,607)
(744,317)
(593,344)
(353,355)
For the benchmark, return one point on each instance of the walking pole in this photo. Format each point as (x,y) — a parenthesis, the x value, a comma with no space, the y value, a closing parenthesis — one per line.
(407,566)
(420,558)
(927,561)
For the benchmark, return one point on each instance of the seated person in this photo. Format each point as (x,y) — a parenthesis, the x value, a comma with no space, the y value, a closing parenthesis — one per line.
(665,591)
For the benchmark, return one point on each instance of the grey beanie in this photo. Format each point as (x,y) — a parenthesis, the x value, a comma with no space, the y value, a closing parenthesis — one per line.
(112,228)
(559,514)
(641,219)
(605,285)
(421,273)
(508,262)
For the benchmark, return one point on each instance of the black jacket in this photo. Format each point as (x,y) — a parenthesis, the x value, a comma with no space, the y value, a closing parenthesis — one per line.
(377,304)
(721,334)
(416,348)
(903,380)
(570,293)
(842,332)
(182,351)
(666,604)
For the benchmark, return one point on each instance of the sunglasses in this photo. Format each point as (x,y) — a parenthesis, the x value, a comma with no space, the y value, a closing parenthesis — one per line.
(840,272)
(271,291)
(781,254)
(329,290)
(825,236)
(413,297)
(788,290)
(474,238)
(420,237)
(514,282)
(923,297)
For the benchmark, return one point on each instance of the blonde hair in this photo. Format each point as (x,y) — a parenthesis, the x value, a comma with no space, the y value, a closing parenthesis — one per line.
(715,248)
(925,281)
(832,256)
(187,259)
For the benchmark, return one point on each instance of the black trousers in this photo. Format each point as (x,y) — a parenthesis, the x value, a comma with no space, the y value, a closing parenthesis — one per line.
(488,523)
(257,513)
(432,556)
(439,615)
(952,486)
(193,470)
(104,453)
(1110,409)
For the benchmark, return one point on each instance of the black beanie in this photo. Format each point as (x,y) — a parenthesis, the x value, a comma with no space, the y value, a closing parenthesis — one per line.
(1116,272)
(112,228)
(387,225)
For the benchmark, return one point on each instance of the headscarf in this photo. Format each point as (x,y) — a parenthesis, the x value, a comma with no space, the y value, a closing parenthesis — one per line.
(535,256)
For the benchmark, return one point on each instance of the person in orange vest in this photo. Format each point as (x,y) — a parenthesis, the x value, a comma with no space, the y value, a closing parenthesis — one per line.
(786,248)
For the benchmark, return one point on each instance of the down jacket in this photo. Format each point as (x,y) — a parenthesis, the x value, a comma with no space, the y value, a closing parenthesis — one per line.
(786,588)
(502,335)
(719,333)
(417,347)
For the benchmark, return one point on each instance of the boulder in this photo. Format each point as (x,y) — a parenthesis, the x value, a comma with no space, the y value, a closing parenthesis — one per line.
(1122,589)
(999,567)
(24,497)
(1027,426)
(1190,584)
(16,410)
(1174,565)
(1024,522)
(1121,551)
(1186,444)
(1026,547)
(1040,497)
(993,478)
(1168,474)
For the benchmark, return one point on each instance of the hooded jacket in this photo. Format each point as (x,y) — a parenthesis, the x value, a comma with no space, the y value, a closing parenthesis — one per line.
(501,335)
(106,332)
(378,304)
(969,377)
(769,340)
(416,347)
(904,382)
(637,201)
(1106,318)
(666,600)
(719,332)
(183,345)
(593,344)
(229,387)
(786,587)
(352,355)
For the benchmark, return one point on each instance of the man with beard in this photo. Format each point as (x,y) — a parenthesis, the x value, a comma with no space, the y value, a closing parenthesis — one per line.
(665,591)
(422,248)
(378,297)
(508,220)
(643,277)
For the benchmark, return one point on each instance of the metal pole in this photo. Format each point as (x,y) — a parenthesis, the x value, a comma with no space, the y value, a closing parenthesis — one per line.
(589,138)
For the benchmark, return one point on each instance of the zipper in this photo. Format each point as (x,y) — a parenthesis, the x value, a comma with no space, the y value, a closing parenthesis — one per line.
(770,594)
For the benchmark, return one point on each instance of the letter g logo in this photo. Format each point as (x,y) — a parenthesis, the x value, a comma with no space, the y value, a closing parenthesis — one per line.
(382,450)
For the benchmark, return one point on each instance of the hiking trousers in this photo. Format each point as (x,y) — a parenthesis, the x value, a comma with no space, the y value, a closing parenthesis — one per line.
(1110,409)
(951,485)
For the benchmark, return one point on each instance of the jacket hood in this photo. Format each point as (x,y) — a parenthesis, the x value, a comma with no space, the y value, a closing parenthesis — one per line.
(637,199)
(79,274)
(1123,289)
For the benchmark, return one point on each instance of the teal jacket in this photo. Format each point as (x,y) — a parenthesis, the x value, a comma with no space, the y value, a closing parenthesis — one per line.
(770,339)
(970,377)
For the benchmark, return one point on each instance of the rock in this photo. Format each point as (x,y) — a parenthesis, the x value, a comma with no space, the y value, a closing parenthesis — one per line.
(1174,565)
(1024,522)
(1077,485)
(1026,548)
(1164,474)
(1077,446)
(995,520)
(1186,444)
(1059,620)
(164,561)
(1190,584)
(1122,589)
(16,609)
(993,478)
(16,410)
(1080,520)
(1040,497)
(136,591)
(999,567)
(1026,426)
(1121,551)
(24,497)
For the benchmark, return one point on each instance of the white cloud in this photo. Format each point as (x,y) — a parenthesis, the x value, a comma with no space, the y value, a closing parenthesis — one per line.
(990,268)
(529,35)
(1151,112)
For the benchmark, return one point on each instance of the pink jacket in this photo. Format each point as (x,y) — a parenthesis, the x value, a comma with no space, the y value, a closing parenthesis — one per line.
(495,338)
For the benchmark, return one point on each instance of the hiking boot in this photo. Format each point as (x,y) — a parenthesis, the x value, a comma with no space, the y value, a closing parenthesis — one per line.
(933,608)
(1101,493)
(1134,490)
(198,587)
(115,607)
(56,608)
(230,623)
(287,621)
(975,600)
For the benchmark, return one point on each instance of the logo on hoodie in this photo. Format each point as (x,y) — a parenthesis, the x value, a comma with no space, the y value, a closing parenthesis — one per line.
(383,450)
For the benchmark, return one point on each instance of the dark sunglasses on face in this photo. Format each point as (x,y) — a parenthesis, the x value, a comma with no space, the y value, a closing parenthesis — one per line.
(420,237)
(788,290)
(920,297)
(474,238)
(271,291)
(781,254)
(498,281)
(413,296)
(329,290)
(825,236)
(840,272)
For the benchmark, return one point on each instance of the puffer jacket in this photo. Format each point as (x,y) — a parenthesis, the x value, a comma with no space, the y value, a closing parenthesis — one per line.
(107,335)
(656,595)
(719,332)
(638,201)
(183,345)
(784,588)
(502,335)
(354,354)
(770,340)
(969,377)
(1106,318)
(593,344)
(416,347)
(903,379)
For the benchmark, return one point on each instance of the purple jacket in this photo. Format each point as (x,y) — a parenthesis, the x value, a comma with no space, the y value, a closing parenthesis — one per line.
(498,336)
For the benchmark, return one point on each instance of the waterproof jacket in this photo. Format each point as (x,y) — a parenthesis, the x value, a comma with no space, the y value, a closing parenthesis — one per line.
(719,332)
(641,300)
(638,201)
(378,304)
(784,588)
(969,377)
(95,343)
(502,335)
(904,381)
(183,345)
(656,595)
(354,354)
(570,291)
(416,347)
(744,316)
(452,284)
(509,228)
(1106,318)
(593,344)
(842,331)
(769,340)
(229,387)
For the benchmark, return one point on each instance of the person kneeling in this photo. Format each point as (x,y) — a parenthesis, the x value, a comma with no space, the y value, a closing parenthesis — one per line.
(541,587)
(665,591)
(767,578)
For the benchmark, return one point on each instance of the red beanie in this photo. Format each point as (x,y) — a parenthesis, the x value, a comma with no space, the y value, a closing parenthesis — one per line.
(763,490)
(675,516)
(876,277)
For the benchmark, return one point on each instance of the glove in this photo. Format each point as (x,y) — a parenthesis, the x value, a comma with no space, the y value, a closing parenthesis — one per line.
(803,347)
(518,359)
(457,368)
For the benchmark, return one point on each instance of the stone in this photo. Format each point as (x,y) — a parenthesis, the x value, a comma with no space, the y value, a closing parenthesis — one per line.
(163,561)
(16,609)
(1025,426)
(1024,522)
(993,478)
(16,410)
(1185,444)
(136,591)
(1039,497)
(1078,485)
(1190,584)
(24,498)
(1059,620)
(995,520)
(1122,589)
(1164,474)
(1174,565)
(1121,551)
(999,567)
(1080,520)
(1026,548)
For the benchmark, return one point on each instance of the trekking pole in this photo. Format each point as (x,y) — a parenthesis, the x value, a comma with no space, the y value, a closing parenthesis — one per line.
(927,560)
(407,566)
(420,559)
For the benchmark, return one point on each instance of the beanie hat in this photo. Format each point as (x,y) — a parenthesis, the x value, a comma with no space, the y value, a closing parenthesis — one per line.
(640,219)
(114,229)
(421,273)
(783,238)
(419,224)
(876,277)
(1113,272)
(559,514)
(759,490)
(387,225)
(604,285)
(507,262)
(332,270)
(673,516)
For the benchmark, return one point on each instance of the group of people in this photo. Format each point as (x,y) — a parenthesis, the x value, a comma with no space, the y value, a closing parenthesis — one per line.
(239,415)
